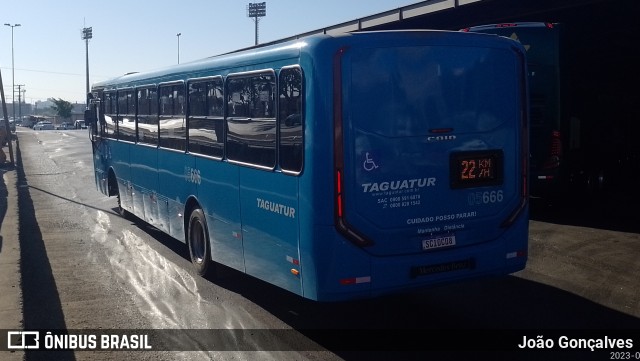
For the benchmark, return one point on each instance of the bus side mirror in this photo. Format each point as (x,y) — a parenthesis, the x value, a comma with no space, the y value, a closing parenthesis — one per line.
(90,118)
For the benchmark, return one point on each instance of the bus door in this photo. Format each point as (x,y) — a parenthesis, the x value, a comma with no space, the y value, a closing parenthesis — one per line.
(111,153)
(173,164)
(268,197)
(431,151)
(96,114)
(216,180)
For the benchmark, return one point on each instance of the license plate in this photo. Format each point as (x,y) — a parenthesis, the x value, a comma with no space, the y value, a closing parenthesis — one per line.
(438,242)
(465,264)
(476,169)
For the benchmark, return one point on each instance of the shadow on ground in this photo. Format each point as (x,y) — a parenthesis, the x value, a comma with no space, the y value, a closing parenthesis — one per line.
(42,309)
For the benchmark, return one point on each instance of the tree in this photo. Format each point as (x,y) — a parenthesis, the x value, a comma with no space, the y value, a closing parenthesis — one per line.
(62,108)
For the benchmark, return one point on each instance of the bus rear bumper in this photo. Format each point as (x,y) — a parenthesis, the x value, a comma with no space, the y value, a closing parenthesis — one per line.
(369,276)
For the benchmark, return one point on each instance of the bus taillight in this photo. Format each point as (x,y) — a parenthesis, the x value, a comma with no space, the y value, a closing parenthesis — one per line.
(339,193)
(341,223)
(555,151)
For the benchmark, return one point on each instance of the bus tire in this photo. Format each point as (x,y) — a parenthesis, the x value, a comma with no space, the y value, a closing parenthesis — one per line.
(198,242)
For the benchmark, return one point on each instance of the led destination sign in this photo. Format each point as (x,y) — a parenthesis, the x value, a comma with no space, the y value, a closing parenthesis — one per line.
(476,169)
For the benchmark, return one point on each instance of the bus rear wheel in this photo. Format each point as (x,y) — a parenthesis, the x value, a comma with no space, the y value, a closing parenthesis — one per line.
(198,242)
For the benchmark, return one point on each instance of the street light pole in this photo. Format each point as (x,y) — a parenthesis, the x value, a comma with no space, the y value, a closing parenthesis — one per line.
(13,74)
(87,33)
(20,90)
(178,35)
(256,11)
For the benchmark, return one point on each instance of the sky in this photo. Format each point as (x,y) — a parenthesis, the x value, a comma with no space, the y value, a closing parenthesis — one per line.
(49,55)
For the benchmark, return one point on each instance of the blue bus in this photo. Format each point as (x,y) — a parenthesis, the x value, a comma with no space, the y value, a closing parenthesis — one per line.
(553,134)
(336,167)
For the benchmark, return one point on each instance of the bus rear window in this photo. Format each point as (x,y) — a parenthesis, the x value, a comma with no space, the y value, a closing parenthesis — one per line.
(409,91)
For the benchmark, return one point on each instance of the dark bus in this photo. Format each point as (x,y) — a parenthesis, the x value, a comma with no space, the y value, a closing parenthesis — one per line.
(552,134)
(581,102)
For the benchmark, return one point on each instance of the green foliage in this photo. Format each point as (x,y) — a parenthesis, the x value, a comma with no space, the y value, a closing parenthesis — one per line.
(62,107)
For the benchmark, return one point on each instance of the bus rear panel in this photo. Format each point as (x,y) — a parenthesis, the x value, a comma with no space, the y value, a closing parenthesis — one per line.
(430,163)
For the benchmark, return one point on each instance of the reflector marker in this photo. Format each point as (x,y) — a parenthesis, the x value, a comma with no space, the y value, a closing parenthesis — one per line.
(355,280)
(516,254)
(293,260)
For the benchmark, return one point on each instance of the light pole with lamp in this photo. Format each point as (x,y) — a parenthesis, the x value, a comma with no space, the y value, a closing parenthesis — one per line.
(13,75)
(87,34)
(20,90)
(256,11)
(178,35)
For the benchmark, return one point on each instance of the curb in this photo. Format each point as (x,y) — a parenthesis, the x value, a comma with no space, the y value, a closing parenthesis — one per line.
(10,279)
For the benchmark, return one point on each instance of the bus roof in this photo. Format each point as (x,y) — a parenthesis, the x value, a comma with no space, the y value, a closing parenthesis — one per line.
(249,56)
(527,24)
(233,59)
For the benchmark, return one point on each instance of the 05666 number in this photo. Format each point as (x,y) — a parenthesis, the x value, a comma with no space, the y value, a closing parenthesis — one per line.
(488,197)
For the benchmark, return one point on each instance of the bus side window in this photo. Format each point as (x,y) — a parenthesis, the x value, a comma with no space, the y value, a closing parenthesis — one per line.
(251,118)
(172,128)
(109,126)
(126,115)
(290,119)
(206,122)
(147,116)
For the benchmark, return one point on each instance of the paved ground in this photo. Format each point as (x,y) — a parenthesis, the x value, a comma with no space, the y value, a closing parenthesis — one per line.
(582,274)
(10,291)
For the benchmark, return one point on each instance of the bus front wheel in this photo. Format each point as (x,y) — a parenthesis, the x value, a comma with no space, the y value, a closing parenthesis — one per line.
(198,242)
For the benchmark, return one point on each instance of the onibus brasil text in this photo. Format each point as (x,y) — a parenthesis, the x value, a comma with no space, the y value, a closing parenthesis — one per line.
(52,341)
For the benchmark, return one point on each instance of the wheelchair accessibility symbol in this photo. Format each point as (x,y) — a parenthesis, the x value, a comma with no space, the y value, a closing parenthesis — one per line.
(369,164)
